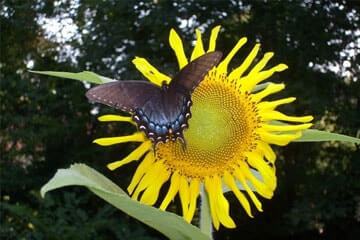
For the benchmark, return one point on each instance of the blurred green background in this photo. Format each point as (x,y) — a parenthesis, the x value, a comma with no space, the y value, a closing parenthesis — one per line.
(47,123)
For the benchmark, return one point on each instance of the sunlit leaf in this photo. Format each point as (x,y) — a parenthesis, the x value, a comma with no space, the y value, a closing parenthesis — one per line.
(313,135)
(81,76)
(205,214)
(171,225)
(261,86)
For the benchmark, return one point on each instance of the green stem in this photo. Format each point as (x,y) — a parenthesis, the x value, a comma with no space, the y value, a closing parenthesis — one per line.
(205,217)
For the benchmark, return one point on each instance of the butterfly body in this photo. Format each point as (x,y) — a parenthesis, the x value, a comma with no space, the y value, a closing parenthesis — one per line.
(164,120)
(162,113)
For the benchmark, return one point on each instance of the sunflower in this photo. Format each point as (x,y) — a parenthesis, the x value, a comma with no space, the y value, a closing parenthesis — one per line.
(229,136)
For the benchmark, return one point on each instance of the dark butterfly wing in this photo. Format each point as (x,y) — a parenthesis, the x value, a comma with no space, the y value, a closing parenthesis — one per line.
(124,95)
(162,113)
(192,74)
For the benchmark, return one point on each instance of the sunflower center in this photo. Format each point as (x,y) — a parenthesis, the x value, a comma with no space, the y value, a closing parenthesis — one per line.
(221,130)
(208,130)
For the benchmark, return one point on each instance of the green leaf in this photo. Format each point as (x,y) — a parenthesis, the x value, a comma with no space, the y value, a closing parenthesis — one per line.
(261,86)
(81,76)
(205,214)
(313,135)
(171,225)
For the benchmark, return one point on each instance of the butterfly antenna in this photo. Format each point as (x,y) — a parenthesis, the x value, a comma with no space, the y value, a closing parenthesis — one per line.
(154,149)
(183,142)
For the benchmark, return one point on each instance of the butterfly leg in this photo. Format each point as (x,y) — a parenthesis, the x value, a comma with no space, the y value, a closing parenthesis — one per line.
(183,142)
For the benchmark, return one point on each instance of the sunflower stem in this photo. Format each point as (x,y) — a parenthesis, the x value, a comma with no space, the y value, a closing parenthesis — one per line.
(205,217)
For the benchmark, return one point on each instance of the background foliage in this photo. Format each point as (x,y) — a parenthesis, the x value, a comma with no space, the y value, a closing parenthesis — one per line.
(47,123)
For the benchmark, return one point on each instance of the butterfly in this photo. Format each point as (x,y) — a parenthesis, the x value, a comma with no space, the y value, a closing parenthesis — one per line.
(162,113)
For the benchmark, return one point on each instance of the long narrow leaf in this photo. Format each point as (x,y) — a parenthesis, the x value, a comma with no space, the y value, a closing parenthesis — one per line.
(81,76)
(171,225)
(205,216)
(261,86)
(313,135)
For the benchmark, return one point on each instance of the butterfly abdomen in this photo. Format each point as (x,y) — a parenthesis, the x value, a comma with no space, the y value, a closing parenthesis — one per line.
(158,130)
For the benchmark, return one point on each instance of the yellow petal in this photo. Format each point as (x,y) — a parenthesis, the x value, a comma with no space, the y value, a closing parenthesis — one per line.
(260,186)
(250,81)
(134,155)
(199,47)
(237,72)
(262,63)
(173,190)
(267,151)
(115,118)
(229,180)
(149,178)
(222,68)
(278,139)
(177,45)
(222,205)
(253,197)
(267,172)
(136,137)
(284,128)
(270,89)
(275,115)
(150,72)
(209,186)
(194,193)
(213,37)
(141,170)
(151,193)
(184,195)
(271,105)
